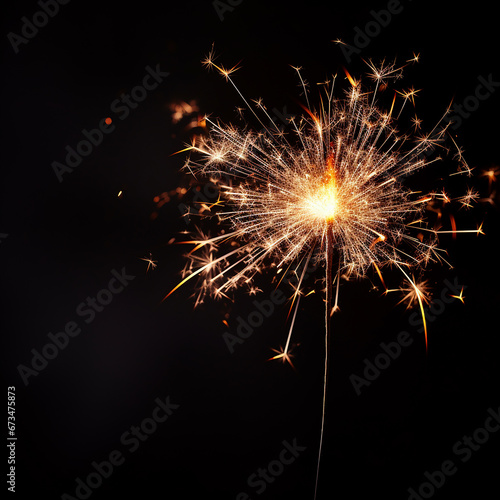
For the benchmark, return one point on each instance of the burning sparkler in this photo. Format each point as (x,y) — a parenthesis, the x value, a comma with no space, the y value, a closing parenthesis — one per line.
(332,193)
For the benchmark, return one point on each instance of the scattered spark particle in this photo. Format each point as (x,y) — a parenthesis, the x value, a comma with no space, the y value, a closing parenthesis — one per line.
(151,263)
(414,292)
(459,297)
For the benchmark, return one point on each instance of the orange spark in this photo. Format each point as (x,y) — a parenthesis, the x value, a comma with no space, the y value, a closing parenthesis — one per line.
(380,276)
(352,81)
(453,227)
(459,297)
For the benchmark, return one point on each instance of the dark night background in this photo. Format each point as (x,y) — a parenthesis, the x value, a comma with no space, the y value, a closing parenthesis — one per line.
(235,409)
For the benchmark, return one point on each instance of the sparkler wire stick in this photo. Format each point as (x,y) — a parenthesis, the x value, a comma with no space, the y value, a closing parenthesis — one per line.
(328,331)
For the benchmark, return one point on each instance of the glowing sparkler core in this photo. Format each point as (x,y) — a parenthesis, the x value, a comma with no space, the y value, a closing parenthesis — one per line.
(324,204)
(327,205)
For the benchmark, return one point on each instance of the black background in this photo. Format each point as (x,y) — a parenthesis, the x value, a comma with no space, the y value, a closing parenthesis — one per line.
(235,409)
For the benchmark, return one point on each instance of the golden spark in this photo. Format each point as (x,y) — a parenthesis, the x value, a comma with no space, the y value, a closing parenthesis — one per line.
(459,297)
(151,263)
(415,291)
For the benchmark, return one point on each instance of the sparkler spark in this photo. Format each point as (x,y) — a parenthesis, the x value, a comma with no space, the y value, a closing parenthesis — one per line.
(333,192)
(151,263)
(459,297)
(414,291)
